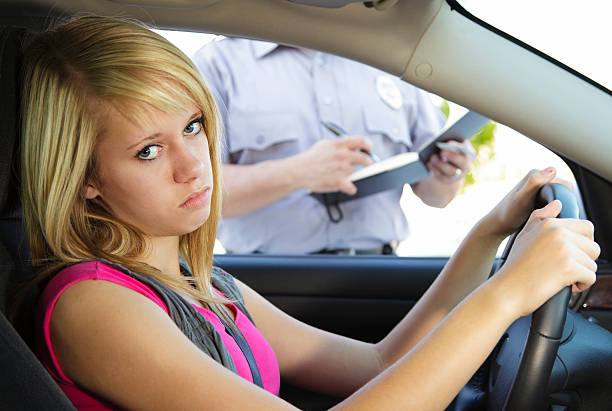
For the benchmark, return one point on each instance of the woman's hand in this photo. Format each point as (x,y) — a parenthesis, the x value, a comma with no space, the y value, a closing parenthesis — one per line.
(548,255)
(513,210)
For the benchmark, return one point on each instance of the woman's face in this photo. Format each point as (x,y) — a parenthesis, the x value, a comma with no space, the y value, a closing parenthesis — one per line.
(157,177)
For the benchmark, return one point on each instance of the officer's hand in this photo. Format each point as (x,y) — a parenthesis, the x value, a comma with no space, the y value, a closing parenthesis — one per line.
(326,166)
(449,166)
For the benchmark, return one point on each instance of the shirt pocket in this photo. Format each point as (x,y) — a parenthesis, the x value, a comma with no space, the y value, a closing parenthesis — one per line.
(252,138)
(388,130)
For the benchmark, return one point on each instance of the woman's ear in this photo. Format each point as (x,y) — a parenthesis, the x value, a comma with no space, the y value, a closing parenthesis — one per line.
(91,191)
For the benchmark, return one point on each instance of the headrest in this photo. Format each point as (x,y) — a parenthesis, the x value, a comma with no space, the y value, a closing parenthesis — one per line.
(12,44)
(14,267)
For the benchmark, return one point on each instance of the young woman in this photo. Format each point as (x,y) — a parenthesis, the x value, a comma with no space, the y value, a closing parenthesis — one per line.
(121,194)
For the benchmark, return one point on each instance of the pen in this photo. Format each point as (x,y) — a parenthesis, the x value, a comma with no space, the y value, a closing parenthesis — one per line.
(339,131)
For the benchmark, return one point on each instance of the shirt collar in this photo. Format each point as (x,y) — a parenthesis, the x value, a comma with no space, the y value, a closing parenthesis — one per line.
(263,48)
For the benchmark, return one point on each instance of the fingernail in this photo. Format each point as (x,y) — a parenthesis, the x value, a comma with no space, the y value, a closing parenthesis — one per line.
(550,170)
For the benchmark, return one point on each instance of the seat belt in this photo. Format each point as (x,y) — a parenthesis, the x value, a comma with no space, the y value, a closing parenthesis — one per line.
(242,343)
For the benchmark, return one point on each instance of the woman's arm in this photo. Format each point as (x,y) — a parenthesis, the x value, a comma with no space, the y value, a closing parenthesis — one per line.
(332,364)
(342,365)
(469,267)
(349,364)
(433,369)
(309,357)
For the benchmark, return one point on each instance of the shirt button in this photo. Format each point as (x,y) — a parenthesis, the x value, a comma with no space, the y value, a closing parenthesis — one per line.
(327,100)
(260,139)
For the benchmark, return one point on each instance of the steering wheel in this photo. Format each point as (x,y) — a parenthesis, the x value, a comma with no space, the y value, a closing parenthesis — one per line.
(521,364)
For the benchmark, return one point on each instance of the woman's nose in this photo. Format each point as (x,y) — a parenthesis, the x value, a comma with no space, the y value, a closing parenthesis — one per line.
(187,164)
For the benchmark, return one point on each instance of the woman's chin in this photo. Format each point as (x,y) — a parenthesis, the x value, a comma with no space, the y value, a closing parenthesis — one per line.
(175,231)
(195,225)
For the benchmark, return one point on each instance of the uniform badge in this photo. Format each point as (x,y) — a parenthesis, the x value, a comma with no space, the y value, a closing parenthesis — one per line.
(389,92)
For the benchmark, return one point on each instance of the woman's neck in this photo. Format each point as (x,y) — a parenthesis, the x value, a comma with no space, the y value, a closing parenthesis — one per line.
(164,255)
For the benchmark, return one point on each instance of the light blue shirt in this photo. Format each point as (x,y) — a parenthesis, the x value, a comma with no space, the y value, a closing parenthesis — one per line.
(272,99)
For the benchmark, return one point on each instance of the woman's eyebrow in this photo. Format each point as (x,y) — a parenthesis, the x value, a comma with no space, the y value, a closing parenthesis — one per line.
(151,137)
(194,116)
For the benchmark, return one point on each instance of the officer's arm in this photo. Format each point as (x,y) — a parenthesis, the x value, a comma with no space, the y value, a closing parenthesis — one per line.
(247,188)
(324,167)
(447,171)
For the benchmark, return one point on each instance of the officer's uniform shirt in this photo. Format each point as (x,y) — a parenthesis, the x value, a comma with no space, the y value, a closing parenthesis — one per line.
(272,99)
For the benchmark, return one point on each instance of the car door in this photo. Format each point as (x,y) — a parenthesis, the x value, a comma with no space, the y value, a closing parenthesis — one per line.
(357,296)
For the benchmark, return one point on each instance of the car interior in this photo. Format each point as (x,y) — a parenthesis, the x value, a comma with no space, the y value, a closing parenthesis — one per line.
(433,44)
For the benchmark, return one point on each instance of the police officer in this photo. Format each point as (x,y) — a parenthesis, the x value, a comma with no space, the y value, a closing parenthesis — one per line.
(272,99)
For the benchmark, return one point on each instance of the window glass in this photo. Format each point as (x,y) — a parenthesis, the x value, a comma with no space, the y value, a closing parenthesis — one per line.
(498,167)
(438,232)
(576,33)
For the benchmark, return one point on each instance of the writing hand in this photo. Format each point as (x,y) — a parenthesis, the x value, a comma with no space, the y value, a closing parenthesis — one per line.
(340,132)
(327,165)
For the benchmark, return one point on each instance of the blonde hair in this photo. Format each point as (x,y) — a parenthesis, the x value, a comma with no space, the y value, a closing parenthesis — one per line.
(74,73)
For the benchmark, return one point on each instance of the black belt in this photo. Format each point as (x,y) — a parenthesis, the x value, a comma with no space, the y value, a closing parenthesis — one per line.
(385,249)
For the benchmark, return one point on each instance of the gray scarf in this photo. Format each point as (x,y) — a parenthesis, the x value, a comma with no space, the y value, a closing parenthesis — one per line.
(187,318)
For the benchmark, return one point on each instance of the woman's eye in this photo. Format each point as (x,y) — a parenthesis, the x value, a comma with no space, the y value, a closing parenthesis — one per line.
(194,127)
(149,152)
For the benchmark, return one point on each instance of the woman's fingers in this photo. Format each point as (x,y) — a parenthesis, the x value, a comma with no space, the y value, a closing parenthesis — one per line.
(566,183)
(580,250)
(582,227)
(527,189)
(537,178)
(584,279)
(549,211)
(571,231)
(576,251)
(516,207)
(584,259)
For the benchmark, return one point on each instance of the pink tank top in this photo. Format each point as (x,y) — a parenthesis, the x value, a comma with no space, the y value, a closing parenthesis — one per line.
(95,270)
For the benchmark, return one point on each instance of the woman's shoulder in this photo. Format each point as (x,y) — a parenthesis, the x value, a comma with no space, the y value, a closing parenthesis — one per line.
(90,270)
(90,273)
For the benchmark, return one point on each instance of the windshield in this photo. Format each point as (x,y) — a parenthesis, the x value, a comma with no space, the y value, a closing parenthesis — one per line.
(576,33)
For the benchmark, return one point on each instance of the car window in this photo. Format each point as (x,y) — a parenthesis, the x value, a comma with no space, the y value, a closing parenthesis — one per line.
(438,232)
(575,33)
(502,160)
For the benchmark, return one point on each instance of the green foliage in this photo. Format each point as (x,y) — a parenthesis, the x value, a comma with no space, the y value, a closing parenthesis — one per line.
(484,144)
(445,108)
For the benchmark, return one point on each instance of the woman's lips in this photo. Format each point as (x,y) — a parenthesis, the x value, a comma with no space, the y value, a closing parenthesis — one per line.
(197,199)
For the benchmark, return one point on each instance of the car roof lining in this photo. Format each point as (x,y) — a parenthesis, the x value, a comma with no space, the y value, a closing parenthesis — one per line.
(403,40)
(354,31)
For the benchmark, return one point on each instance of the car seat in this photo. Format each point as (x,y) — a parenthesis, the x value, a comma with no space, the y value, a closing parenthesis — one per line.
(24,382)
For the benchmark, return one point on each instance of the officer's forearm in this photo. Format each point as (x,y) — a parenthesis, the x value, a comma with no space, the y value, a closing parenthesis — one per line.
(247,188)
(436,193)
